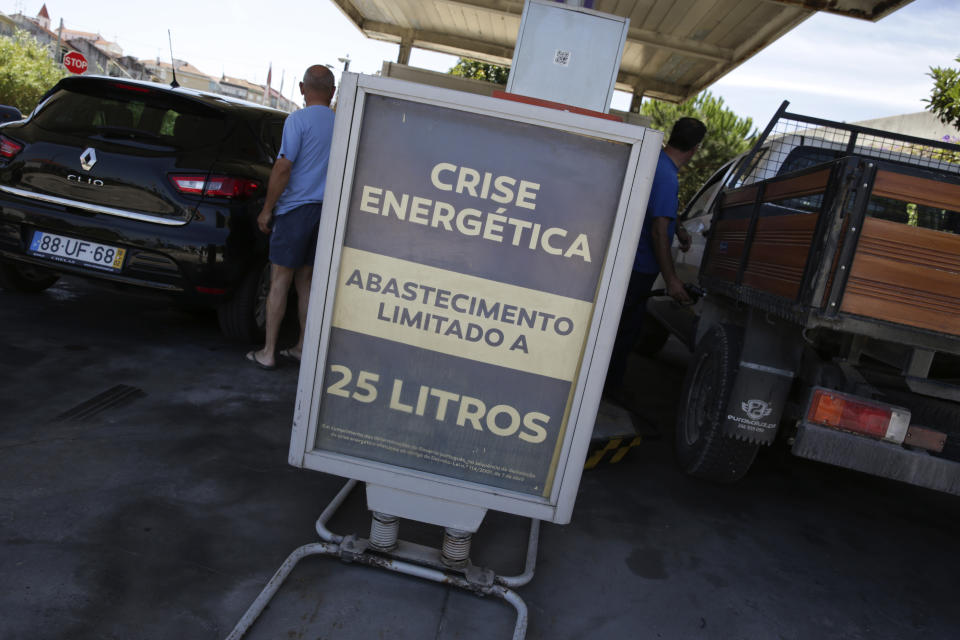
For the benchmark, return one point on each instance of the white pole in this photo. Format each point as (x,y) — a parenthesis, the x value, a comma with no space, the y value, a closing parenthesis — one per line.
(266,87)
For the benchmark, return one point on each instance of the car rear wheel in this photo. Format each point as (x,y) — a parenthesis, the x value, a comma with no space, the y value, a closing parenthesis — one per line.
(702,448)
(26,278)
(244,316)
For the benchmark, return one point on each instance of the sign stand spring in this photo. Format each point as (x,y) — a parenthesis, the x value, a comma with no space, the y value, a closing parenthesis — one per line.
(449,566)
(384,530)
(456,547)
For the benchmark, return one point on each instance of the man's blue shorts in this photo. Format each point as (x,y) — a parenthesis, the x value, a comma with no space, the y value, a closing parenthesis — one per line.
(293,240)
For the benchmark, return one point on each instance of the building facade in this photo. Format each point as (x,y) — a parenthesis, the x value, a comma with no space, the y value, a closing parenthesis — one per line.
(106,58)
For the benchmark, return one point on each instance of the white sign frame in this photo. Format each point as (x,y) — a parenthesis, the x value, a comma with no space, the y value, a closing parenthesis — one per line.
(587,387)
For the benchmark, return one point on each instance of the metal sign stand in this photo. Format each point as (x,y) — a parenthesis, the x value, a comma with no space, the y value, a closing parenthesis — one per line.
(325,438)
(449,565)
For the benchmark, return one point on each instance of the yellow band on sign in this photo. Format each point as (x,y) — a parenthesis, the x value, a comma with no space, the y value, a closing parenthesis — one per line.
(460,315)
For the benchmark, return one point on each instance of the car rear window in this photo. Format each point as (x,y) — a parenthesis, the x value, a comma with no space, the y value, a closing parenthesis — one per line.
(241,143)
(137,114)
(271,134)
(804,157)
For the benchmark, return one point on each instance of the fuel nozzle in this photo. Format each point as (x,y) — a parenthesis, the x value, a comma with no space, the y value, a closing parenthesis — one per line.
(694,291)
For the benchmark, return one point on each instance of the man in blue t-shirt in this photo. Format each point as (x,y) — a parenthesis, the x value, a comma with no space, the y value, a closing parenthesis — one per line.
(653,252)
(293,203)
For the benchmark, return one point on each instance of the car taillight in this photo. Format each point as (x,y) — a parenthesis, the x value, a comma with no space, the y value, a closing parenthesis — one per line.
(213,291)
(130,87)
(9,148)
(850,413)
(219,186)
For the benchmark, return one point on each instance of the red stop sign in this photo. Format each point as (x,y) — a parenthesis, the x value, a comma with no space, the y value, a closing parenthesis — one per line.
(75,62)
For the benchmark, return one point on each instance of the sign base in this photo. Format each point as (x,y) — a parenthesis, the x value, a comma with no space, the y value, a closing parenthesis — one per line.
(450,565)
(413,506)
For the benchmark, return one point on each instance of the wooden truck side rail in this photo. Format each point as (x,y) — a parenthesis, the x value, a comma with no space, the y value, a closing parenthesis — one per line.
(762,237)
(906,274)
(814,247)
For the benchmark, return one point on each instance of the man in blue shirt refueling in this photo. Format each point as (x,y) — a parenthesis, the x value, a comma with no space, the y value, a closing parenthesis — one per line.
(653,252)
(293,203)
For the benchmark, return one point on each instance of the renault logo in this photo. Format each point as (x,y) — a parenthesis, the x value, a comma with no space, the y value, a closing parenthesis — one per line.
(88,158)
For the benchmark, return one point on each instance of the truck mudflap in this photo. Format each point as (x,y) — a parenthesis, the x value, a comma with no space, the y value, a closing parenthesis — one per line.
(876,457)
(756,403)
(768,364)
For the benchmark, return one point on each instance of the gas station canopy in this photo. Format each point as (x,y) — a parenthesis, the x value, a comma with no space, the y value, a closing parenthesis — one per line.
(674,48)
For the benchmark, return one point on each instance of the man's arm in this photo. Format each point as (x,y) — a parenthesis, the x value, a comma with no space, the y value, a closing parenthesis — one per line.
(660,233)
(683,236)
(279,177)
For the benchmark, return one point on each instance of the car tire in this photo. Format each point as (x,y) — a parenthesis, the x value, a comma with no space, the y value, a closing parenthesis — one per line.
(653,336)
(243,316)
(26,278)
(702,449)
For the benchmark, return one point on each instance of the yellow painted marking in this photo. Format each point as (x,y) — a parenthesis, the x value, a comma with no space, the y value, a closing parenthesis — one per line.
(595,459)
(618,456)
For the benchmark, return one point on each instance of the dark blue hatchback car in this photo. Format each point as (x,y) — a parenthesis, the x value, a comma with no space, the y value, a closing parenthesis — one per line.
(141,185)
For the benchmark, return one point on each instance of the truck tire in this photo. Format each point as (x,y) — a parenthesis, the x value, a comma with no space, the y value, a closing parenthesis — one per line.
(243,316)
(702,449)
(25,278)
(653,336)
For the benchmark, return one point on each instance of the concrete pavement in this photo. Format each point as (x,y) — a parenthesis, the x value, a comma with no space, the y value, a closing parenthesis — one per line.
(144,493)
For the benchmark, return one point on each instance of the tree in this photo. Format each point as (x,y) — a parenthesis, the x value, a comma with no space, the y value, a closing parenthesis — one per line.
(944,98)
(26,71)
(466,68)
(727,135)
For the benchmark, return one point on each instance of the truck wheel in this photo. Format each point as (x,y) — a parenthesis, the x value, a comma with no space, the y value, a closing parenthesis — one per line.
(26,278)
(244,316)
(653,336)
(702,449)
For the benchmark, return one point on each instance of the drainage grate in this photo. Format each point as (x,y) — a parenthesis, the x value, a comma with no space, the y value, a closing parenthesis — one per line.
(114,397)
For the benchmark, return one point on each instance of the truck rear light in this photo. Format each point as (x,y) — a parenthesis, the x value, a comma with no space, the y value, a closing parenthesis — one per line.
(218,186)
(850,413)
(9,148)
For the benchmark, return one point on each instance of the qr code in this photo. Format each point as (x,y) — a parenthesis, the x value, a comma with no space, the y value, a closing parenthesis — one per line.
(561,57)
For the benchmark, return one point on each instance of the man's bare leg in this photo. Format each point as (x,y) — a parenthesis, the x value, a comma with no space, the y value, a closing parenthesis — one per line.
(302,279)
(280,280)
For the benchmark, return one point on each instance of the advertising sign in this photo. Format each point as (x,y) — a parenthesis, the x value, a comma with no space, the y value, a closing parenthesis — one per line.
(467,250)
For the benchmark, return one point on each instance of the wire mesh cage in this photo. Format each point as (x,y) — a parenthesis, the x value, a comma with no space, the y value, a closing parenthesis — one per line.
(793,142)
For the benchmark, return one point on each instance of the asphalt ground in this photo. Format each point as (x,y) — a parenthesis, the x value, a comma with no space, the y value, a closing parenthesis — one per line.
(144,493)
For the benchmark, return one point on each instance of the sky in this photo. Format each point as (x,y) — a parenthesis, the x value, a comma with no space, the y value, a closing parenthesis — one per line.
(830,66)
